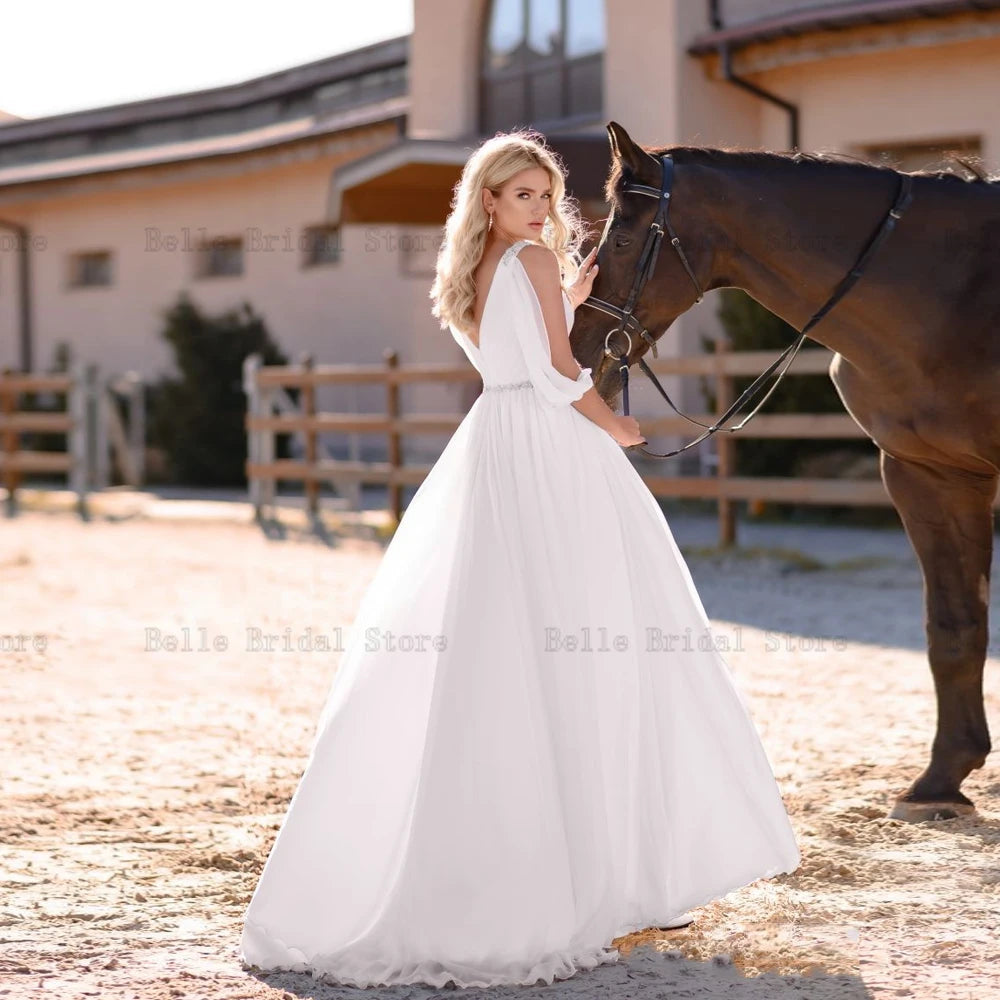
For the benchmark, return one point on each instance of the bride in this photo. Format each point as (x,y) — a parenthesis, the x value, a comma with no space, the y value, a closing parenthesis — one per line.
(555,757)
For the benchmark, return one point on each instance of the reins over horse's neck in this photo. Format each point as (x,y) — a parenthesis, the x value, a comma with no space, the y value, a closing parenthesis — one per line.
(792,234)
(647,261)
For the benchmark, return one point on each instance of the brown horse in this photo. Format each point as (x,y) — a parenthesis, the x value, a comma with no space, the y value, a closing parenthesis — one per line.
(917,360)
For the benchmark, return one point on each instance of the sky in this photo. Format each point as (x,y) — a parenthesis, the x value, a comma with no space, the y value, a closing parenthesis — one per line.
(62,55)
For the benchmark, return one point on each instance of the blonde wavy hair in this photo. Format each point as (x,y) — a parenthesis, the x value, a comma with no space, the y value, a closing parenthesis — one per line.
(491,166)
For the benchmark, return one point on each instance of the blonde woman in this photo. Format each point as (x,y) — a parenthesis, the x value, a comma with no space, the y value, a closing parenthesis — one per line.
(532,744)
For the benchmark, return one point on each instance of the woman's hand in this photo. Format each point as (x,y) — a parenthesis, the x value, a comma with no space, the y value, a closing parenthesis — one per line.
(584,280)
(626,432)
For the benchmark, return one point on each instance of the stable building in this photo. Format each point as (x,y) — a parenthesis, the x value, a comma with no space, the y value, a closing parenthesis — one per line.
(317,194)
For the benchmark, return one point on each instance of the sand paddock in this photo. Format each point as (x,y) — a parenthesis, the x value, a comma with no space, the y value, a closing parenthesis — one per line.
(143,785)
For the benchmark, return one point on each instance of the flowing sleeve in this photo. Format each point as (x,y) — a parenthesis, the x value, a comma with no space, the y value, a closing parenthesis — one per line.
(529,326)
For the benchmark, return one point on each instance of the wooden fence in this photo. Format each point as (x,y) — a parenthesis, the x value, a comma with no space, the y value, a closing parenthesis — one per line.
(265,389)
(264,384)
(90,420)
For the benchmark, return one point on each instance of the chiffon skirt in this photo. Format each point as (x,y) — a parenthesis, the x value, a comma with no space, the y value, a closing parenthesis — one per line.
(532,744)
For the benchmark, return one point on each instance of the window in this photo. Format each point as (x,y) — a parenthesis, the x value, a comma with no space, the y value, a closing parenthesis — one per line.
(924,155)
(542,64)
(375,85)
(90,269)
(220,257)
(322,245)
(418,250)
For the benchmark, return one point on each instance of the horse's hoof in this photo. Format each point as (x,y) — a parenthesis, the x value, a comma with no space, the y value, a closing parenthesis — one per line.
(922,812)
(682,920)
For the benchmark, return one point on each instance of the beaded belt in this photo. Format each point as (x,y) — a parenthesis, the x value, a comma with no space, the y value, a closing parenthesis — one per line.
(507,385)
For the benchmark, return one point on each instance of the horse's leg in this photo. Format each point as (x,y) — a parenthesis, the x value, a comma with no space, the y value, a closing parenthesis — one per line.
(948,516)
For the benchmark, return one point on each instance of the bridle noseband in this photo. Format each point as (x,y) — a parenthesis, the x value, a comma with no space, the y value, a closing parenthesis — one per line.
(647,264)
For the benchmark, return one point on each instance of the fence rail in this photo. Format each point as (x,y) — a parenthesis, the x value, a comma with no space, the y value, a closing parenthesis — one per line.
(265,388)
(721,367)
(89,418)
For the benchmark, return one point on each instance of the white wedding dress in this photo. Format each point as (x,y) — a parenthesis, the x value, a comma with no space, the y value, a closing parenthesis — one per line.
(548,769)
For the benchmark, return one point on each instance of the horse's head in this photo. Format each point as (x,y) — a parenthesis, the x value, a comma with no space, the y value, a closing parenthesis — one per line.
(643,283)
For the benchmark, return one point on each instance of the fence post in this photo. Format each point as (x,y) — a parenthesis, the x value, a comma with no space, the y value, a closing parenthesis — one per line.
(9,442)
(136,409)
(251,366)
(92,423)
(308,409)
(724,444)
(127,437)
(265,445)
(351,489)
(77,442)
(102,403)
(394,450)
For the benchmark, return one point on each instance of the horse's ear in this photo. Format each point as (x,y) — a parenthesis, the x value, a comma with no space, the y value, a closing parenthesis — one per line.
(627,151)
(614,129)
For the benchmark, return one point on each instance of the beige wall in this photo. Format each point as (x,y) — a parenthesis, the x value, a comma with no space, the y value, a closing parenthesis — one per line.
(444,67)
(906,95)
(9,294)
(336,312)
(640,61)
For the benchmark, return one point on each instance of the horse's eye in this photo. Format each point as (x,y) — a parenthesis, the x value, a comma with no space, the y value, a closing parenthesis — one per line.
(622,241)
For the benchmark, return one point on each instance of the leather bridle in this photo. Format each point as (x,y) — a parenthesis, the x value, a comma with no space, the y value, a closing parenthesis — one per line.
(625,315)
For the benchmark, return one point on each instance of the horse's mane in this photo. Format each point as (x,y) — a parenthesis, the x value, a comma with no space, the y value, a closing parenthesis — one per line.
(763,158)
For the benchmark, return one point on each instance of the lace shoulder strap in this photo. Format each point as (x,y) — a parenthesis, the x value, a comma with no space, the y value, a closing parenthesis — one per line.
(512,250)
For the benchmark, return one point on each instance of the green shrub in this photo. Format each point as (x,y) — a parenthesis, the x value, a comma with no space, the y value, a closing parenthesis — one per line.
(751,327)
(198,417)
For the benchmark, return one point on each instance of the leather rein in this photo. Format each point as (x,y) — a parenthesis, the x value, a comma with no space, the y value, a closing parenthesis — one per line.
(644,271)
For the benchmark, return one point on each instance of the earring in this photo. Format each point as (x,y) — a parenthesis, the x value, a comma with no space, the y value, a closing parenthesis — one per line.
(491,222)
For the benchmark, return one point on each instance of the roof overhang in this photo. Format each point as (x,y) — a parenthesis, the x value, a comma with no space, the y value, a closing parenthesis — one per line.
(255,140)
(412,182)
(832,17)
(408,182)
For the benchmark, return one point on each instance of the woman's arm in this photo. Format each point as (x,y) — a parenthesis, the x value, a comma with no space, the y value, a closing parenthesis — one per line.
(542,268)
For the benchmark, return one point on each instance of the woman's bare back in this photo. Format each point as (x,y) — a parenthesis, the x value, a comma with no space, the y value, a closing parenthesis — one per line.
(484,274)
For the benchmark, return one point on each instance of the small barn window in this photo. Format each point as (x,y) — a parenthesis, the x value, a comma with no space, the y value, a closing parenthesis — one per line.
(222,256)
(418,249)
(90,269)
(322,245)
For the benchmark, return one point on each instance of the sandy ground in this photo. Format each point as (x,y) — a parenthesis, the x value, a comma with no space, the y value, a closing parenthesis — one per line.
(143,787)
